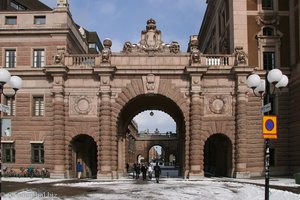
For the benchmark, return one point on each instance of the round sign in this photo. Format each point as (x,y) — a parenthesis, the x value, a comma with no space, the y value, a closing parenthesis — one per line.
(269,125)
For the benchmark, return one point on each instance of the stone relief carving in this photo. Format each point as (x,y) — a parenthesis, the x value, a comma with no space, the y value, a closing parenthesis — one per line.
(151,42)
(151,83)
(268,19)
(174,47)
(59,57)
(240,56)
(195,56)
(83,105)
(106,52)
(62,3)
(218,104)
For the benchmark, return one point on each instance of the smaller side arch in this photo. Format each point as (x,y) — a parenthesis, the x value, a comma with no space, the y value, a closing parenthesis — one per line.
(83,148)
(218,156)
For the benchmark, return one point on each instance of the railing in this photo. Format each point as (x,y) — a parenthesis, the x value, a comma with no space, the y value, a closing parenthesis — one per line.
(95,60)
(218,60)
(82,60)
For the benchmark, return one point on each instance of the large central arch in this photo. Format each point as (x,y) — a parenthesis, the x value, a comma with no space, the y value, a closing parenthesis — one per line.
(155,102)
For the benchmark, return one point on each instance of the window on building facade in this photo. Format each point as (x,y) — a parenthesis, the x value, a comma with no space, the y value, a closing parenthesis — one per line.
(10,58)
(38,106)
(92,45)
(11,103)
(11,20)
(16,6)
(39,58)
(269,64)
(37,153)
(8,152)
(39,20)
(268,31)
(267,4)
(269,60)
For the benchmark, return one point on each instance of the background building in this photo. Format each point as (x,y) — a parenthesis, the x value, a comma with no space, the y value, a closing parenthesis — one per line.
(268,31)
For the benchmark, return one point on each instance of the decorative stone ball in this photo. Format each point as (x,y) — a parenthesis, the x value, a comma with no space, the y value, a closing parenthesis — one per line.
(107,43)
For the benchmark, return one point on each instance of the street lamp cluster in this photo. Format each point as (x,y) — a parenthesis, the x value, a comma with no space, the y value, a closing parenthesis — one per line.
(278,80)
(15,82)
(275,77)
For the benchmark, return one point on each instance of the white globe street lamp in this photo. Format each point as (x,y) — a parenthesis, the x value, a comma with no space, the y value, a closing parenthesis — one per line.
(274,77)
(14,81)
(261,86)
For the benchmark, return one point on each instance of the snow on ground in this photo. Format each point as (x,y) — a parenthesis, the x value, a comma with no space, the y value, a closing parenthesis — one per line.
(205,189)
(286,182)
(31,180)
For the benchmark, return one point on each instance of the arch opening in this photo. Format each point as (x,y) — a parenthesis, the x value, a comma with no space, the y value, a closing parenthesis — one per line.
(171,140)
(84,149)
(218,156)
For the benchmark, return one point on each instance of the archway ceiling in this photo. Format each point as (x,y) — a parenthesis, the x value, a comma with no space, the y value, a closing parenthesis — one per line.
(151,102)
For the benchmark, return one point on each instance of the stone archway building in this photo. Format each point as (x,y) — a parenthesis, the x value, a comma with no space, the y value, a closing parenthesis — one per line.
(205,94)
(97,95)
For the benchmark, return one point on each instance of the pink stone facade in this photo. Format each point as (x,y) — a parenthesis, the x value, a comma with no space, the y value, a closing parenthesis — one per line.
(90,100)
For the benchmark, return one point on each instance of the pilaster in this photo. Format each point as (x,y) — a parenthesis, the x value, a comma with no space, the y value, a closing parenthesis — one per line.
(59,128)
(196,151)
(241,159)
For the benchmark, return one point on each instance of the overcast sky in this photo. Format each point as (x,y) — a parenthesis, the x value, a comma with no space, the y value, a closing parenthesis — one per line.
(123,20)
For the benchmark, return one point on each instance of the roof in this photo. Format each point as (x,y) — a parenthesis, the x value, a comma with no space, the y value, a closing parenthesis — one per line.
(33,5)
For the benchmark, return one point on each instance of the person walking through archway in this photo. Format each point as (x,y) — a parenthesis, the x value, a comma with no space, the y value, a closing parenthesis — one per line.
(144,171)
(157,172)
(79,169)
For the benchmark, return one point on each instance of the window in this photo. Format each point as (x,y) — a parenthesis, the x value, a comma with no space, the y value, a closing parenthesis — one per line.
(38,106)
(8,152)
(10,58)
(38,58)
(39,19)
(269,60)
(268,31)
(92,45)
(16,6)
(37,153)
(12,105)
(10,20)
(267,4)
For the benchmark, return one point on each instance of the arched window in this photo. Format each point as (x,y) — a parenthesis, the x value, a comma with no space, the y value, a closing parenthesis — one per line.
(267,4)
(268,31)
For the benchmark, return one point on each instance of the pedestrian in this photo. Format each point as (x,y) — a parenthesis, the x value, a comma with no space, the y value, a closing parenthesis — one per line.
(138,170)
(127,168)
(79,169)
(157,172)
(150,171)
(134,170)
(144,171)
(30,171)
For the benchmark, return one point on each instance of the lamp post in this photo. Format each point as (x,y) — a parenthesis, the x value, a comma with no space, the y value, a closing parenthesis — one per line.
(15,83)
(261,86)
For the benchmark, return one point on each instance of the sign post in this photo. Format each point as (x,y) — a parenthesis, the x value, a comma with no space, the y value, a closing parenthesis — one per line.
(270,127)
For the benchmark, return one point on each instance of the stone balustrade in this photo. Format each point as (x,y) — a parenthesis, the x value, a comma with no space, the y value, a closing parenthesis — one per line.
(95,60)
(217,60)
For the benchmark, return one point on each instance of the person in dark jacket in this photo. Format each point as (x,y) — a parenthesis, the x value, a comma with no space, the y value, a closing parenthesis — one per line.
(157,172)
(144,171)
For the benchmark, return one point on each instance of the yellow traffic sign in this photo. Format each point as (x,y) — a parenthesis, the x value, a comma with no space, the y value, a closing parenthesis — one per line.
(269,127)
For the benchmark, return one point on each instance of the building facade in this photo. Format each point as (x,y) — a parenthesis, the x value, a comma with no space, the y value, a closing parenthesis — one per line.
(268,31)
(78,105)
